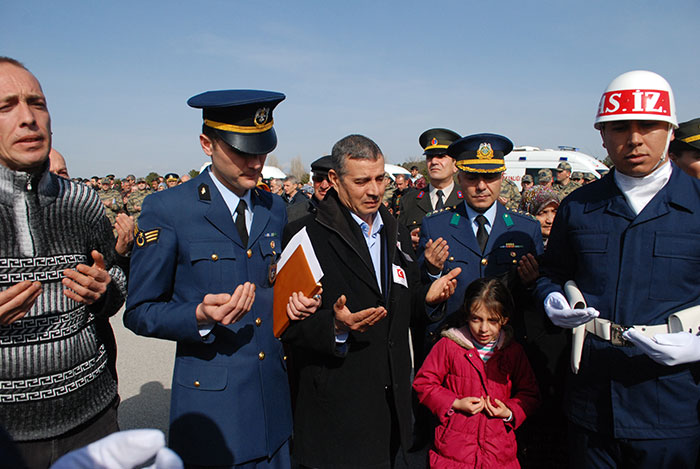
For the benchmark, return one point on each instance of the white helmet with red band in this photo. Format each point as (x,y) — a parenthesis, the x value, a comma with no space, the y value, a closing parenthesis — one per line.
(637,95)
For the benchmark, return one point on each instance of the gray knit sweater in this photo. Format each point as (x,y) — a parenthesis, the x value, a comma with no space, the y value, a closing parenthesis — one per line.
(53,361)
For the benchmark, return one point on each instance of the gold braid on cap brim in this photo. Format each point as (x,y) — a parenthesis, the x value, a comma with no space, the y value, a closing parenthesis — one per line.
(432,147)
(238,128)
(693,138)
(463,165)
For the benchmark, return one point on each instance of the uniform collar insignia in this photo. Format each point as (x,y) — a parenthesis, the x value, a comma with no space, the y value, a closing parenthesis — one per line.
(203,191)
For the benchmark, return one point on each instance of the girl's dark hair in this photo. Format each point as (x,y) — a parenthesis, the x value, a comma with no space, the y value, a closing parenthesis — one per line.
(492,294)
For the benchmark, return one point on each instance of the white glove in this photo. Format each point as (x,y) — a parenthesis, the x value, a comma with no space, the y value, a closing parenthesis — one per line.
(667,349)
(122,450)
(562,315)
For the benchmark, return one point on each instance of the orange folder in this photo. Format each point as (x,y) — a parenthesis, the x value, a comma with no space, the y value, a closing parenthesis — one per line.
(294,276)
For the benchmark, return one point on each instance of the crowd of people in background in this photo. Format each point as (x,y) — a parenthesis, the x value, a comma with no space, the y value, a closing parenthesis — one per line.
(461,321)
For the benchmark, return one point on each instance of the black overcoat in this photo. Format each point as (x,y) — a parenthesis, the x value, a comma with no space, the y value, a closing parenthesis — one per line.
(347,396)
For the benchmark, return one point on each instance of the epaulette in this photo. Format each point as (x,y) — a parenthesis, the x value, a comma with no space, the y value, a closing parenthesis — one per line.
(522,213)
(443,209)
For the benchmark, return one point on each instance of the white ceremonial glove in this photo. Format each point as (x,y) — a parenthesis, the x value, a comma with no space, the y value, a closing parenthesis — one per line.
(562,315)
(123,450)
(667,349)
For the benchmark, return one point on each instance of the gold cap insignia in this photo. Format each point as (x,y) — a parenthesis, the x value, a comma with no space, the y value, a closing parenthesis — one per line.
(261,116)
(485,151)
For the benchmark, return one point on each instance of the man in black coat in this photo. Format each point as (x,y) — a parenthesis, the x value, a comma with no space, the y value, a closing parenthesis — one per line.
(353,407)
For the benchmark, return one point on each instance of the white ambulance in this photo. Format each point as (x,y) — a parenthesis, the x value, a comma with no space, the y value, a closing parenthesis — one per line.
(529,160)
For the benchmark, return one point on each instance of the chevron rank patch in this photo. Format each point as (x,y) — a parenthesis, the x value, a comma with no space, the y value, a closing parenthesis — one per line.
(144,238)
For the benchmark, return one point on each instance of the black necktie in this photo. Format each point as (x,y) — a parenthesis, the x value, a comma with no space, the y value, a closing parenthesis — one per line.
(240,222)
(482,236)
(440,203)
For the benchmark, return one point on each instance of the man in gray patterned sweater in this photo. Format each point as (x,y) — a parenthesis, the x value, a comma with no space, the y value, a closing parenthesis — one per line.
(57,286)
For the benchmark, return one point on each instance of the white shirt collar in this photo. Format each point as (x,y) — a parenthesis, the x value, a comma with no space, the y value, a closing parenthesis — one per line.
(639,191)
(490,215)
(445,193)
(230,198)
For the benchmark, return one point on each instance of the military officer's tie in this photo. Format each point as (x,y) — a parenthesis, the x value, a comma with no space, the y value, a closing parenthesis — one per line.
(482,236)
(440,203)
(240,222)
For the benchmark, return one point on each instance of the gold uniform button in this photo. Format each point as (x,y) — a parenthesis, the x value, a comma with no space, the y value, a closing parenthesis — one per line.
(249,253)
(258,321)
(284,358)
(215,257)
(484,261)
(514,261)
(451,258)
(261,355)
(196,384)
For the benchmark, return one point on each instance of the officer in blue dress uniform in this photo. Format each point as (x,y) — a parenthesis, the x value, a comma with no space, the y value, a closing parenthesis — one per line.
(202,274)
(631,242)
(480,236)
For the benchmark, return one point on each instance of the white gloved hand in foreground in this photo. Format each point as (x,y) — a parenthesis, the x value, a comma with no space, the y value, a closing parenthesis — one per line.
(562,315)
(667,349)
(122,450)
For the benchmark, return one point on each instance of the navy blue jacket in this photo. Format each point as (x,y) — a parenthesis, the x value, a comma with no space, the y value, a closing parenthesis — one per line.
(230,397)
(512,236)
(635,270)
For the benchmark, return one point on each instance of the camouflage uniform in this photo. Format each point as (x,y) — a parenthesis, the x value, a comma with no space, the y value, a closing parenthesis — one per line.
(564,190)
(135,202)
(509,191)
(113,196)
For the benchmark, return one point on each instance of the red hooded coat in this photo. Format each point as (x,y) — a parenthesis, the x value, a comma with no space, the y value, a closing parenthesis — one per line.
(454,370)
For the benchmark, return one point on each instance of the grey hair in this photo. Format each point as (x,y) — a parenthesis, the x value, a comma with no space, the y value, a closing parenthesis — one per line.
(293,179)
(355,147)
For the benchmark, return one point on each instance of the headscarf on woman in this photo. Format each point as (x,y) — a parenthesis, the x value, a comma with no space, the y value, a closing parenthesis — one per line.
(537,198)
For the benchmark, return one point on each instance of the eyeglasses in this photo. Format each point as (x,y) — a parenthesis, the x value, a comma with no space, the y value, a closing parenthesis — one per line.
(319,179)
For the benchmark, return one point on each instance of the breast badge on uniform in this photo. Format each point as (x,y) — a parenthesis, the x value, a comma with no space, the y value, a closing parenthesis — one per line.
(272,271)
(144,238)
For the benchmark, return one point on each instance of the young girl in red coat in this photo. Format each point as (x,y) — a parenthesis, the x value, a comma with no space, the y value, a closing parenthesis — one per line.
(478,383)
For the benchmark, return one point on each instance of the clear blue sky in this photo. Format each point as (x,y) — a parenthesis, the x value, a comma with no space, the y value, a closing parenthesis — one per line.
(117,74)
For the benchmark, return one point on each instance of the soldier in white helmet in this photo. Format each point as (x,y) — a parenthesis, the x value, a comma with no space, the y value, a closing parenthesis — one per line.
(631,242)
